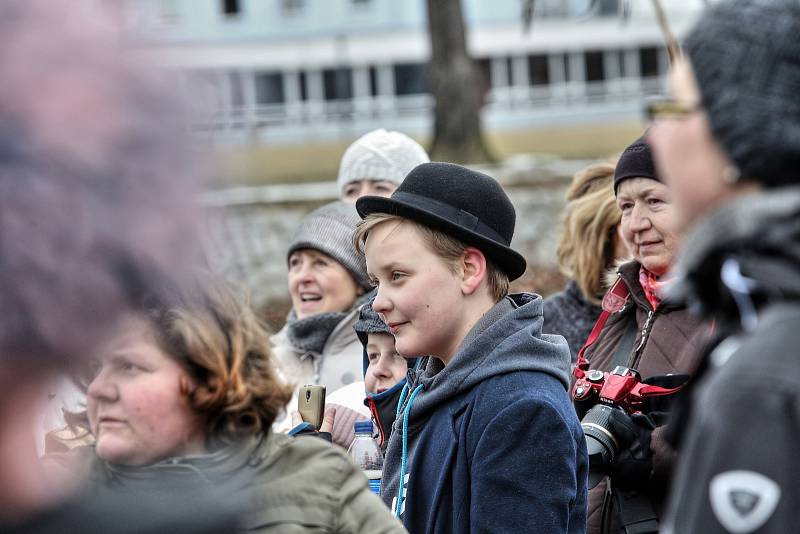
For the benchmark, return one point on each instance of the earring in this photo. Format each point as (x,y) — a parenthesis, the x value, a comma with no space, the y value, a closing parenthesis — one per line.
(731,174)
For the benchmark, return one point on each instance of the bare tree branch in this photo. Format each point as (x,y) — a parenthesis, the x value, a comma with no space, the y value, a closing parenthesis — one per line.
(627,8)
(528,9)
(673,48)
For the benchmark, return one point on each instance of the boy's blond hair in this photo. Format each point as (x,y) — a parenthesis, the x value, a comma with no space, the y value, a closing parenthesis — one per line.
(448,248)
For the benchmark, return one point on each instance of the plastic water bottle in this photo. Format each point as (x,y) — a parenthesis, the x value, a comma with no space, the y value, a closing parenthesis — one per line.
(366,454)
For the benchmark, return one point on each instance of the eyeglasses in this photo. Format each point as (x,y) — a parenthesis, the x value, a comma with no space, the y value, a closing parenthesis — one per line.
(668,108)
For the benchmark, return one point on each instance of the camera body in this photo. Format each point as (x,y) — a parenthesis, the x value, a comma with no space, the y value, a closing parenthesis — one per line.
(600,396)
(596,394)
(621,387)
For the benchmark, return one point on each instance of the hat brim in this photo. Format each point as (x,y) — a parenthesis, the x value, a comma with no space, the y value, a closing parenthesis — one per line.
(512,263)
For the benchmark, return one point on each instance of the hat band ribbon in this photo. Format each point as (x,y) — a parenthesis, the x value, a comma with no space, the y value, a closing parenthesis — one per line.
(455,215)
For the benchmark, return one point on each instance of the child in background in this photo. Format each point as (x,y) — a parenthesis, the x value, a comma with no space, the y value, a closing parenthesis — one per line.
(384,377)
(384,371)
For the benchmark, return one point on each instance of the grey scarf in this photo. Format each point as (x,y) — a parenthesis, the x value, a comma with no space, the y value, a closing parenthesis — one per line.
(311,333)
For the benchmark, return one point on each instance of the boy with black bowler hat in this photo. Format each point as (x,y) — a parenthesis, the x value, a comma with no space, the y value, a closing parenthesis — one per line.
(486,438)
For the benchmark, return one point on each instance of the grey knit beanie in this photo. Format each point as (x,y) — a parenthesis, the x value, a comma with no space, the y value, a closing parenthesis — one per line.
(329,229)
(369,322)
(380,155)
(746,59)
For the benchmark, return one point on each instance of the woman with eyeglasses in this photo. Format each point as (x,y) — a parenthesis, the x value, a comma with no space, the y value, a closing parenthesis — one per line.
(728,145)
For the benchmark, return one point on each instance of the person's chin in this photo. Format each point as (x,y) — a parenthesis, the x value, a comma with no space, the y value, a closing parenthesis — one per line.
(307,309)
(113,450)
(401,343)
(657,266)
(407,344)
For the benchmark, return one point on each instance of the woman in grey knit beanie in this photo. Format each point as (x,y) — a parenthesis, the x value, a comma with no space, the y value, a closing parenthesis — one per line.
(328,282)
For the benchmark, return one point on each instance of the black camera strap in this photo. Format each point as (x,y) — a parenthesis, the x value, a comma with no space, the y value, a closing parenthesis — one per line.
(636,513)
(622,354)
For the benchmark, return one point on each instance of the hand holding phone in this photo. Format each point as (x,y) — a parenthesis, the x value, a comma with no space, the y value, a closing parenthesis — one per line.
(311,404)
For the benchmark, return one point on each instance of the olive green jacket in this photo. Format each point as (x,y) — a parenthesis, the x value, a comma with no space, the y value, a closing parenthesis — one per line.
(282,484)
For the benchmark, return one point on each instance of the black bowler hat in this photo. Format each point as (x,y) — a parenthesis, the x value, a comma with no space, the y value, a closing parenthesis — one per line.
(465,204)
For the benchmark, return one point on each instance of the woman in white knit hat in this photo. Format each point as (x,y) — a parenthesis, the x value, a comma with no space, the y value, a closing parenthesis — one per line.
(376,163)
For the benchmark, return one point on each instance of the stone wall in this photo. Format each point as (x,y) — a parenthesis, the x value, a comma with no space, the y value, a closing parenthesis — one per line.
(248,229)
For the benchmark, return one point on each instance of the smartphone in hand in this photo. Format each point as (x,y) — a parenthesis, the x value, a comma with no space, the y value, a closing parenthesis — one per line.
(311,404)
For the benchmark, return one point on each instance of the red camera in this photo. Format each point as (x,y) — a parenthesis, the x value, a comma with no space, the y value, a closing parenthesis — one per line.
(597,394)
(622,387)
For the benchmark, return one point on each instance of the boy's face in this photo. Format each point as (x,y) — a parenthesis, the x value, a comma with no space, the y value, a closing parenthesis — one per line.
(419,297)
(386,367)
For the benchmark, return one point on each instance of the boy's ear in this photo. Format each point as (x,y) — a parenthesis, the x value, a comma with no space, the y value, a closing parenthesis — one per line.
(473,265)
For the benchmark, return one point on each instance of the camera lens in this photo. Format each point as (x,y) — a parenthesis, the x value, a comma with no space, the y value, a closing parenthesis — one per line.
(601,444)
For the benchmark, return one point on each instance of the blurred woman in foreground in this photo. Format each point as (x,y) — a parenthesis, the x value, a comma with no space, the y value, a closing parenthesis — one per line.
(185,397)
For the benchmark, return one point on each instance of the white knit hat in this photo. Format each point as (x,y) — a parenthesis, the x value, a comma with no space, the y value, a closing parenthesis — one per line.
(380,155)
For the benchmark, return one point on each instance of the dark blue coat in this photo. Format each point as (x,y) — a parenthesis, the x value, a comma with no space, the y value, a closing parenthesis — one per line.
(493,443)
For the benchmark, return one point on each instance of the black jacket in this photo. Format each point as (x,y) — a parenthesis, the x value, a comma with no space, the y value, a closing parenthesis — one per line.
(739,455)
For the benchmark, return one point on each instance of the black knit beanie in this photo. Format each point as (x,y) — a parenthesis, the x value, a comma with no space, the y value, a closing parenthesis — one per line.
(636,161)
(745,55)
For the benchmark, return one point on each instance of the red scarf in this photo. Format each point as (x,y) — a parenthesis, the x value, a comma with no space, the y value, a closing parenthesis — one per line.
(653,288)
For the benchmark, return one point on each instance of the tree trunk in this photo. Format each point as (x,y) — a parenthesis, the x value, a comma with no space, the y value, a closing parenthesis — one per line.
(456,87)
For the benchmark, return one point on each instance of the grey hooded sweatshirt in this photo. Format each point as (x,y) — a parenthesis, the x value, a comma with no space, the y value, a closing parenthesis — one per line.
(492,442)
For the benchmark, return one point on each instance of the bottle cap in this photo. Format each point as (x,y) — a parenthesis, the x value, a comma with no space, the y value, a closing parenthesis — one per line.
(375,486)
(363,427)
